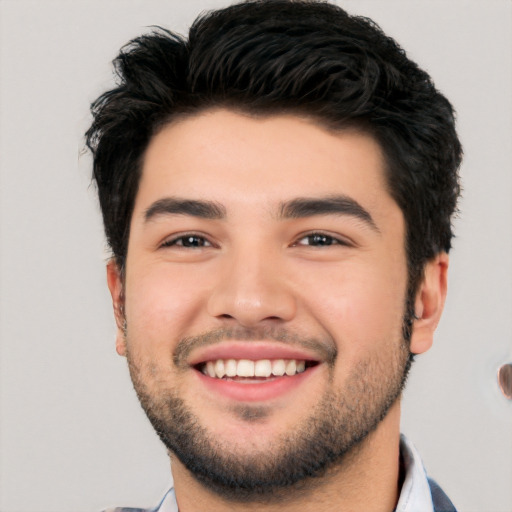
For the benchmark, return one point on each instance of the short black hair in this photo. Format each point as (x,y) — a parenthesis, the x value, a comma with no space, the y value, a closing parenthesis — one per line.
(268,57)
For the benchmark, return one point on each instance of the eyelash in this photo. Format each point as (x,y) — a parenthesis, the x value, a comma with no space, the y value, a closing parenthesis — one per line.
(315,239)
(174,242)
(329,240)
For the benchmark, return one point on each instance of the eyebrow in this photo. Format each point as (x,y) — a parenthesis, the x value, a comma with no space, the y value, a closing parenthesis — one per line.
(191,207)
(331,205)
(295,209)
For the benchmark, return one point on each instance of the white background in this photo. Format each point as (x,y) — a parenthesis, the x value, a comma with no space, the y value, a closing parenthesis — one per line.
(72,435)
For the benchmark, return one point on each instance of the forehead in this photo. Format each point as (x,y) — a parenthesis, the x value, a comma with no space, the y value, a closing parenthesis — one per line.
(237,157)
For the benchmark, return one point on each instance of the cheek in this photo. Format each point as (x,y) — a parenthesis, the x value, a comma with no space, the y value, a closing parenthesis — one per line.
(362,307)
(160,305)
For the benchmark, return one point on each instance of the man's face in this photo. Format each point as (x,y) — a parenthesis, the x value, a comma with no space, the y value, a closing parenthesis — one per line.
(264,245)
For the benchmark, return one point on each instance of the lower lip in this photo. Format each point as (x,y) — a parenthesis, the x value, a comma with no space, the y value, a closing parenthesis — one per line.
(244,391)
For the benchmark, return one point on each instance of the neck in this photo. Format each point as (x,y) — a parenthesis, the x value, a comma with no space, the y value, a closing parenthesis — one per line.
(367,480)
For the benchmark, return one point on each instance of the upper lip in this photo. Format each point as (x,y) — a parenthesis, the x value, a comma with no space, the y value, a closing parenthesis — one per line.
(252,350)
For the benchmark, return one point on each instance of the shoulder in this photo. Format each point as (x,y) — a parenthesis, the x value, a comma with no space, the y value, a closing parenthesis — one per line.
(129,509)
(440,500)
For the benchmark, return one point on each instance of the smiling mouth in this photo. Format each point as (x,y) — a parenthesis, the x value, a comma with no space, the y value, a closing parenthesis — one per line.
(247,369)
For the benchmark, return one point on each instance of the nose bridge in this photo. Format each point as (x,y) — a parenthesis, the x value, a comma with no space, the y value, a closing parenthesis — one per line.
(251,286)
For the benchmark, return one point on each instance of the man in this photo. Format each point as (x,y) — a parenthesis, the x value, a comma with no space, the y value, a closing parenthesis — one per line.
(277,191)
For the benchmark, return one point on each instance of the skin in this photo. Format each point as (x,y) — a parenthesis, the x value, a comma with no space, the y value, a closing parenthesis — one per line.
(256,271)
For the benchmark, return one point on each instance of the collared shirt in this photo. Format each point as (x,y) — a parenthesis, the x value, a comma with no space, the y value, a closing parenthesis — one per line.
(415,496)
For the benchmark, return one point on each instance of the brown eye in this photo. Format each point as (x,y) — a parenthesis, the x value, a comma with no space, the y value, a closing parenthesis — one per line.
(319,240)
(188,241)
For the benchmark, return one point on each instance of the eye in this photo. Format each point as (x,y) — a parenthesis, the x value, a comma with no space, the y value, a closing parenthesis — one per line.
(188,241)
(319,240)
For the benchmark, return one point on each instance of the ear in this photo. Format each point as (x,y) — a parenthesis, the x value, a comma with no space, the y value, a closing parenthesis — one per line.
(429,303)
(115,285)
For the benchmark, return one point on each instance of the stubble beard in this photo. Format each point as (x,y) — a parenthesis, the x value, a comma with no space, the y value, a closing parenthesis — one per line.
(324,442)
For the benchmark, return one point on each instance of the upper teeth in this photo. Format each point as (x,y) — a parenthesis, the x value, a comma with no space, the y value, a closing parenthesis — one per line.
(247,368)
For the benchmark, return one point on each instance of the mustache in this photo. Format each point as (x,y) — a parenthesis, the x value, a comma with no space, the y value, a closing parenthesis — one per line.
(325,348)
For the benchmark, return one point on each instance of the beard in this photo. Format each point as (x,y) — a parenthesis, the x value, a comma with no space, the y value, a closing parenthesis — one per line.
(325,441)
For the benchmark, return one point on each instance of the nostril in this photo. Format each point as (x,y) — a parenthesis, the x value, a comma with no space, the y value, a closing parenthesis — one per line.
(252,300)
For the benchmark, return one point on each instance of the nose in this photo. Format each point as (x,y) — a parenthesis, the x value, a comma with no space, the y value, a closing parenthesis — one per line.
(252,288)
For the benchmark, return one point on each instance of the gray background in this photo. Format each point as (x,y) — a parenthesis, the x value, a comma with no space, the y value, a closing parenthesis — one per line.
(72,435)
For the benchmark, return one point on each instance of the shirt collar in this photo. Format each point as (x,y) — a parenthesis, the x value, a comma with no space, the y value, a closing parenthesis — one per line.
(168,503)
(415,495)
